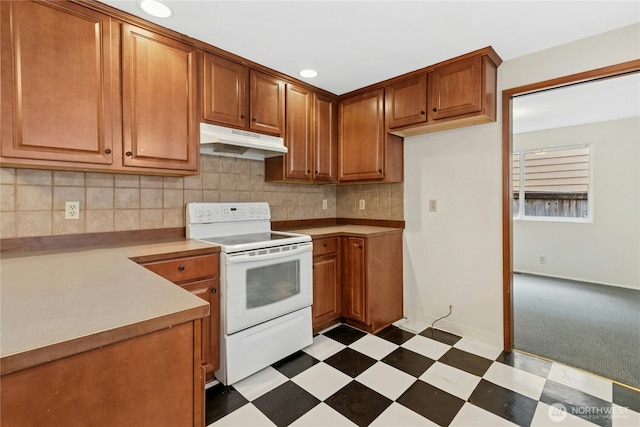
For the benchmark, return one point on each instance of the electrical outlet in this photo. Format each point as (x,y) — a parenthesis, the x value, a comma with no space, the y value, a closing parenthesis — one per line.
(72,210)
(542,259)
(324,204)
(361,204)
(433,205)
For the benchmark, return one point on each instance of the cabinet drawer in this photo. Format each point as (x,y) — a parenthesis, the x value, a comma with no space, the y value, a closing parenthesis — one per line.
(185,269)
(326,246)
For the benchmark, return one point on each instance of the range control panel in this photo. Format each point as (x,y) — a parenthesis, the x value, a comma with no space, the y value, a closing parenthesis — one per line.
(208,213)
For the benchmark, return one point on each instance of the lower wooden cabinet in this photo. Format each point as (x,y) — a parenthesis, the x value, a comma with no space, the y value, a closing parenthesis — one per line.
(146,380)
(200,276)
(357,280)
(372,281)
(327,295)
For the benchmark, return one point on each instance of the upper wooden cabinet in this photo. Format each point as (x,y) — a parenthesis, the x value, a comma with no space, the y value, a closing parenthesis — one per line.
(325,138)
(365,151)
(59,88)
(311,138)
(235,95)
(406,101)
(159,101)
(456,89)
(66,106)
(299,136)
(266,103)
(225,91)
(361,137)
(455,93)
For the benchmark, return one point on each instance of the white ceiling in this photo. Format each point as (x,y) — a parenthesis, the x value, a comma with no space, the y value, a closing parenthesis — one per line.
(356,43)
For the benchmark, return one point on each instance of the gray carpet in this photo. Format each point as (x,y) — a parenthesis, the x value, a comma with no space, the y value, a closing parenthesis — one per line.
(592,327)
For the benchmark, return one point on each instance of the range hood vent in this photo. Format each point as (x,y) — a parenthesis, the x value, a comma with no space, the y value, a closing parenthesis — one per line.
(222,141)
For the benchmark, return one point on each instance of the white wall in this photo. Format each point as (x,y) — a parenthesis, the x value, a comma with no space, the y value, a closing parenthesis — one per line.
(453,256)
(607,250)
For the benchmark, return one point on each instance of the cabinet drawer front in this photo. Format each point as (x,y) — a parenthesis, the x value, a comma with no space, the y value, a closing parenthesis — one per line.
(184,269)
(326,246)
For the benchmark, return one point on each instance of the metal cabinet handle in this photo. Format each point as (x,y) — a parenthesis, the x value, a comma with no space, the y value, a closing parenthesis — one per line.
(214,290)
(107,151)
(435,110)
(181,268)
(128,153)
(254,119)
(422,113)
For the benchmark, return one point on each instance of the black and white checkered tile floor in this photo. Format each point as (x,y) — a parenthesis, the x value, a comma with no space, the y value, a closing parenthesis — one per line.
(421,378)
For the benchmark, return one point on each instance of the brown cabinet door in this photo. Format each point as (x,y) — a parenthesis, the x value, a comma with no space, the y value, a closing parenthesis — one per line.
(58,94)
(327,298)
(224,91)
(298,137)
(208,290)
(160,125)
(325,131)
(266,96)
(361,137)
(406,102)
(354,284)
(456,89)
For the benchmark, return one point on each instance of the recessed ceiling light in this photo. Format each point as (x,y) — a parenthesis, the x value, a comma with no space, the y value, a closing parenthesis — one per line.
(308,73)
(155,8)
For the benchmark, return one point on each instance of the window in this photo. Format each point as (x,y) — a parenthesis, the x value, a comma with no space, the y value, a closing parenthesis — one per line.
(552,183)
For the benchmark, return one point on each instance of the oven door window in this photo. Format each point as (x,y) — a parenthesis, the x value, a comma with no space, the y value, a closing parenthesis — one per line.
(272,283)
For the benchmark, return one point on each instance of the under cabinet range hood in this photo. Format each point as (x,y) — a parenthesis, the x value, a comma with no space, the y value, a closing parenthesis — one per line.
(223,141)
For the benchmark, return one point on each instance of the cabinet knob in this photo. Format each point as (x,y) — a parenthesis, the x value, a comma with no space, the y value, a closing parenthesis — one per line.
(422,113)
(242,116)
(435,110)
(181,268)
(308,171)
(214,290)
(254,119)
(128,153)
(359,246)
(107,151)
(325,245)
(379,170)
(317,172)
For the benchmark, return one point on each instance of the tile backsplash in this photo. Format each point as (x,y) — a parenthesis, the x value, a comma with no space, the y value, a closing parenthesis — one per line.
(32,201)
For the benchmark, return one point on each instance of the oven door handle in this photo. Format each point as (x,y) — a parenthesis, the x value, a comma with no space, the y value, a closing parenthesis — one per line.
(245,257)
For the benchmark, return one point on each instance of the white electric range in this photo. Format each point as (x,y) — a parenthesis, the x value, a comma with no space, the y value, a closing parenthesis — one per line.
(265,281)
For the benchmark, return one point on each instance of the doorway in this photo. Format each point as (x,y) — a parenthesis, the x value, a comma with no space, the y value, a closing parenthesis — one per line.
(507,150)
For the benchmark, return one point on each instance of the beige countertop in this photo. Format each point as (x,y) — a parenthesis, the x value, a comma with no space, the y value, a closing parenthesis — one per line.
(346,230)
(56,304)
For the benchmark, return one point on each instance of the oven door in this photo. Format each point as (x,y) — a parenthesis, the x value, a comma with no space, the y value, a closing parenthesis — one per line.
(263,284)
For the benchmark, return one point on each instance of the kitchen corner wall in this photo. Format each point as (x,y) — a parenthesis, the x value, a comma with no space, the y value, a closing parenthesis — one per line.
(32,201)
